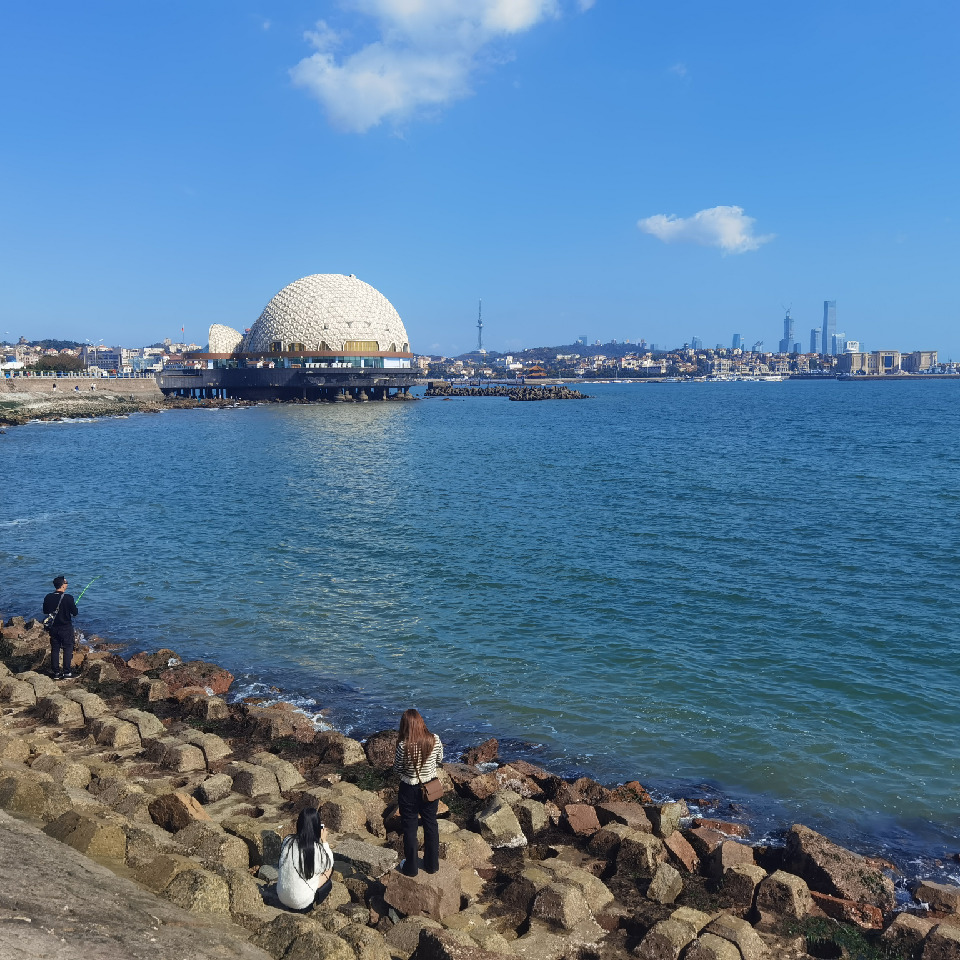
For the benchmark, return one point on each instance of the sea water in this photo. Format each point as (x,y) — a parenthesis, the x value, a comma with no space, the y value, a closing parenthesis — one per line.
(745,591)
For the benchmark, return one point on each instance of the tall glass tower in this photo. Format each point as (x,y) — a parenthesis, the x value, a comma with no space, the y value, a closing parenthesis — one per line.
(815,340)
(829,326)
(786,344)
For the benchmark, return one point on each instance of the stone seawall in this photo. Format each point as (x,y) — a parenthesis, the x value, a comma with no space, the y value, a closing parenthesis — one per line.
(145,765)
(139,387)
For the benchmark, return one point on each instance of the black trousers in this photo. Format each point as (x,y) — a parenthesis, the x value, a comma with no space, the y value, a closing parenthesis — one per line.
(58,642)
(412,810)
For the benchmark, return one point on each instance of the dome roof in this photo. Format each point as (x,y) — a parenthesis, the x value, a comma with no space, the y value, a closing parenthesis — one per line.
(325,312)
(223,339)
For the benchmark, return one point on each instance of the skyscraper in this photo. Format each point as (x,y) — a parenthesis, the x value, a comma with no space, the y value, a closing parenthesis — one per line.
(829,326)
(815,340)
(738,341)
(786,344)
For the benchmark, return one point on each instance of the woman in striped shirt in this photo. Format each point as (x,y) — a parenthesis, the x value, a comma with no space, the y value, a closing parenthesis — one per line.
(418,753)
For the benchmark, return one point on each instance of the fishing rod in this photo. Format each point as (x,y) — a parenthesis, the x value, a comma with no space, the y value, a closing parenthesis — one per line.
(86,588)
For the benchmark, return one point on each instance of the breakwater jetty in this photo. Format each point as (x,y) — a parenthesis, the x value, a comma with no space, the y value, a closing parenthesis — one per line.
(145,764)
(441,388)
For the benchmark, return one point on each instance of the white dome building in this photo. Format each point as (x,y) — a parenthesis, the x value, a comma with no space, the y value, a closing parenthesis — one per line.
(324,313)
(323,337)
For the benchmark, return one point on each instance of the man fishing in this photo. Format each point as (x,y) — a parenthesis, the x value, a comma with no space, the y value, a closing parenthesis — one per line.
(60,609)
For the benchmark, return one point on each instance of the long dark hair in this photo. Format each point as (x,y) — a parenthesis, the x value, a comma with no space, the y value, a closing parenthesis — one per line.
(418,742)
(308,836)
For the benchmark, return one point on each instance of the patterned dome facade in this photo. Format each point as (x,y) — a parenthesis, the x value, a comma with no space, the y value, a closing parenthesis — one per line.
(326,311)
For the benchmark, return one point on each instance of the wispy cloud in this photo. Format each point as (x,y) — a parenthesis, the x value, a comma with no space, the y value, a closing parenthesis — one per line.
(725,227)
(423,57)
(679,69)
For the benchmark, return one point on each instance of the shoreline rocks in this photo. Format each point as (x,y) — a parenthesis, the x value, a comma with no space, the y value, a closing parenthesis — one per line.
(440,388)
(148,769)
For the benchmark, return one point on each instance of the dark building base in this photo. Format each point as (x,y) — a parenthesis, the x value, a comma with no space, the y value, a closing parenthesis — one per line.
(287,384)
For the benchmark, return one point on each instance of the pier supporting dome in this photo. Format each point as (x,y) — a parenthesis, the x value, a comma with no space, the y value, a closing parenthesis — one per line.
(328,336)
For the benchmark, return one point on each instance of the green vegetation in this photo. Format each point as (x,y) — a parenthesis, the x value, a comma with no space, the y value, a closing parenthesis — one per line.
(63,362)
(845,939)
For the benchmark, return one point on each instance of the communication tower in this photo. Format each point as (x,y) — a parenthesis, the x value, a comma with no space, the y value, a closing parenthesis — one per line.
(480,327)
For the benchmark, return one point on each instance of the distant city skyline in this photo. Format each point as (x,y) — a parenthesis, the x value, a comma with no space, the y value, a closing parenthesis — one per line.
(581,165)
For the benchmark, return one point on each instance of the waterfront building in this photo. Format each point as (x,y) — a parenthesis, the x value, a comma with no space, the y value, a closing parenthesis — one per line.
(829,326)
(815,340)
(920,361)
(878,363)
(323,337)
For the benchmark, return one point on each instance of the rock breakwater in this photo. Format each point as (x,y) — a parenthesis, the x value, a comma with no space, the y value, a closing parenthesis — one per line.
(440,388)
(144,765)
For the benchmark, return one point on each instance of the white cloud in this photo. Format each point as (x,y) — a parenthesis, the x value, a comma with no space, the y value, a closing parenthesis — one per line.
(423,58)
(724,227)
(680,69)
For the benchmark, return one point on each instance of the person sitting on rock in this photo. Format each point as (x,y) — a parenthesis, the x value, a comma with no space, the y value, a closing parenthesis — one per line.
(306,863)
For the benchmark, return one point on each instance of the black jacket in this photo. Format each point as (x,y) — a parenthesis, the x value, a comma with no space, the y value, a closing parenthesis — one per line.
(62,623)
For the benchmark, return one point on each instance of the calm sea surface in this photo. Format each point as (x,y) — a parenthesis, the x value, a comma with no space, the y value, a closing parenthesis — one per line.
(745,590)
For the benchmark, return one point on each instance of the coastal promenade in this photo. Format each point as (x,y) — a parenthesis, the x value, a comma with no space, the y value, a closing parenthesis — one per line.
(150,809)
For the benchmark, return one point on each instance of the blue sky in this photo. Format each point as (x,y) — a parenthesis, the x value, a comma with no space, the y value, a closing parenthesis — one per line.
(613,169)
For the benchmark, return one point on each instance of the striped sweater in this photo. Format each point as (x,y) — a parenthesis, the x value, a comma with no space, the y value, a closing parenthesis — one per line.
(407,770)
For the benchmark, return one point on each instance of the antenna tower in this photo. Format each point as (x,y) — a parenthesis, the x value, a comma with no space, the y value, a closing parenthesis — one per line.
(480,326)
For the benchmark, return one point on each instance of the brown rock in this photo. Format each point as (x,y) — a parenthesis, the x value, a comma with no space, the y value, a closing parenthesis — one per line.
(862,914)
(666,940)
(740,883)
(642,853)
(174,811)
(485,753)
(727,854)
(665,817)
(214,788)
(509,778)
(484,786)
(739,932)
(783,894)
(831,869)
(907,932)
(724,826)
(561,904)
(632,792)
(666,885)
(160,660)
(60,711)
(704,840)
(333,747)
(381,749)
(197,673)
(211,843)
(940,897)
(621,811)
(447,945)
(681,853)
(581,819)
(709,946)
(89,835)
(251,780)
(280,721)
(943,943)
(429,895)
(199,891)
